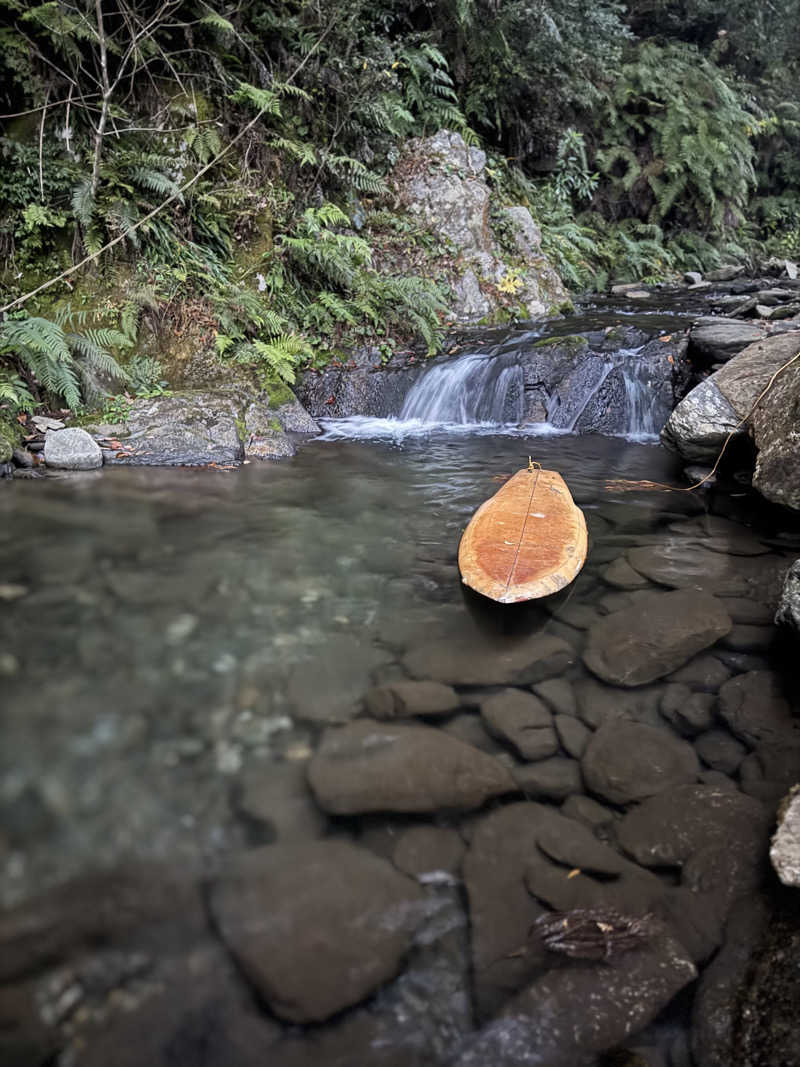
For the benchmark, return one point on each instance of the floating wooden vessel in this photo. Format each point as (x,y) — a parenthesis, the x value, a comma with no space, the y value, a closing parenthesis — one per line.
(525,542)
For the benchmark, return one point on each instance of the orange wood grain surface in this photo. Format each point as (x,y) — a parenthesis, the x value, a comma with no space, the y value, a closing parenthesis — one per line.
(527,541)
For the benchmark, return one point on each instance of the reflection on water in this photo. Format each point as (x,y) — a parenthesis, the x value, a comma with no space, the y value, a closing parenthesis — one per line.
(172,642)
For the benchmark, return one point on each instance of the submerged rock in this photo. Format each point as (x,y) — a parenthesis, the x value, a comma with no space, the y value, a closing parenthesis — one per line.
(315,927)
(658,635)
(523,720)
(72,450)
(373,766)
(755,710)
(478,660)
(626,761)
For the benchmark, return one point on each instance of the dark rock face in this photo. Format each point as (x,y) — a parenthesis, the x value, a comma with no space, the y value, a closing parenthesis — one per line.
(718,339)
(369,389)
(274,903)
(656,637)
(373,766)
(715,1009)
(540,1026)
(626,761)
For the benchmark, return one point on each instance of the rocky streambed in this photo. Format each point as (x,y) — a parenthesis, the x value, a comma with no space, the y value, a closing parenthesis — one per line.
(274,790)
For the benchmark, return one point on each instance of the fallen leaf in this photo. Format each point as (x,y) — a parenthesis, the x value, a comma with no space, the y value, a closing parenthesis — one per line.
(574,873)
(665,338)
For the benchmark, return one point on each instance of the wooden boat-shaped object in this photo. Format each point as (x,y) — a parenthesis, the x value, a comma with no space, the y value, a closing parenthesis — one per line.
(525,542)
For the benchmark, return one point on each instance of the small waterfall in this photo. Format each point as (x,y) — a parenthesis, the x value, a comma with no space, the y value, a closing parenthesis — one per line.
(473,389)
(613,393)
(610,394)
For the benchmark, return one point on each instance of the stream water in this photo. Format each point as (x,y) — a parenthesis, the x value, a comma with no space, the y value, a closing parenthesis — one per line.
(174,643)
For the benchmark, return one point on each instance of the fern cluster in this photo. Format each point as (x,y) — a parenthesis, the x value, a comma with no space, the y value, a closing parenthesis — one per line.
(66,365)
(677,140)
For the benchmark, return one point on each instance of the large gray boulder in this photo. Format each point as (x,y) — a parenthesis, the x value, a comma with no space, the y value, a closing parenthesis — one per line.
(376,766)
(221,425)
(784,853)
(442,182)
(788,613)
(71,450)
(720,405)
(776,431)
(699,425)
(655,637)
(315,927)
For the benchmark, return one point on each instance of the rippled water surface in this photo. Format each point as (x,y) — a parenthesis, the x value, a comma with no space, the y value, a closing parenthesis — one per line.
(171,638)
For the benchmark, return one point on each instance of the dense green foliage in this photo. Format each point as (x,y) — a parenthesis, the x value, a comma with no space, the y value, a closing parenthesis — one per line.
(646,140)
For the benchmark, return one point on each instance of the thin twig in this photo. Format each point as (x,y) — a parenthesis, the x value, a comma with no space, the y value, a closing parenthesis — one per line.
(623,485)
(174,196)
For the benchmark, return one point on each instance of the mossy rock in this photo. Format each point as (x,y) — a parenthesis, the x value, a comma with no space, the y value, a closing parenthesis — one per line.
(573,341)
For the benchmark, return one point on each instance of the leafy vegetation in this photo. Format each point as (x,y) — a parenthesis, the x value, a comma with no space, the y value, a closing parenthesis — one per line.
(646,140)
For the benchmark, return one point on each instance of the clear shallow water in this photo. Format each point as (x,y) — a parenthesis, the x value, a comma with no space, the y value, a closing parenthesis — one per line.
(167,612)
(182,634)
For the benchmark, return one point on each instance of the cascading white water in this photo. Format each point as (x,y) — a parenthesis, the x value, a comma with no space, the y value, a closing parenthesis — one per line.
(612,393)
(476,388)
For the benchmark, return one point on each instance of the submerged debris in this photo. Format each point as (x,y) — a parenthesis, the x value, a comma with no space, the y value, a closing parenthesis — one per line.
(592,933)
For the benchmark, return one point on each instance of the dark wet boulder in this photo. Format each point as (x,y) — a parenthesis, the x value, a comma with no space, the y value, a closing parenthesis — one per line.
(544,1026)
(501,909)
(627,761)
(375,766)
(718,339)
(315,927)
(661,633)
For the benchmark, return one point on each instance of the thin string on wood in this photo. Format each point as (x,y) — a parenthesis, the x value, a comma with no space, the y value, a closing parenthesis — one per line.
(625,485)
